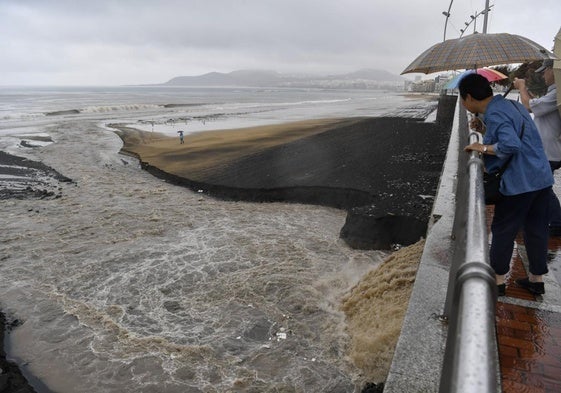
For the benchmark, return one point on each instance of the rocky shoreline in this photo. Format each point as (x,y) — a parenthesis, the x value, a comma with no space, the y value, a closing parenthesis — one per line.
(11,377)
(22,178)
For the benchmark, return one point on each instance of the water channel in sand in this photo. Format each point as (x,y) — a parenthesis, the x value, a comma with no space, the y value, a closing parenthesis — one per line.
(127,283)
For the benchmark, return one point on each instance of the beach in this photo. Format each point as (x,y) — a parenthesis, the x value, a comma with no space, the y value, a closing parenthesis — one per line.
(384,171)
(128,272)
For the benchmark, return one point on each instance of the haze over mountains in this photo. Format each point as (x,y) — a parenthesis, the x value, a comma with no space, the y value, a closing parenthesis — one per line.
(365,78)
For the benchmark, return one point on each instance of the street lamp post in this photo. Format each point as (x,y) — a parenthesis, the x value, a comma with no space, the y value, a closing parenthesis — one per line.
(485,17)
(447,15)
(474,19)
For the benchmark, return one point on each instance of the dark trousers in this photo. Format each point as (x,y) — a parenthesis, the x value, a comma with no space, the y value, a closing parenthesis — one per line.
(529,212)
(554,206)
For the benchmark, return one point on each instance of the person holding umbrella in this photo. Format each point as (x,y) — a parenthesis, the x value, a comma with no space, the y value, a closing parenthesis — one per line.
(548,121)
(181,137)
(526,182)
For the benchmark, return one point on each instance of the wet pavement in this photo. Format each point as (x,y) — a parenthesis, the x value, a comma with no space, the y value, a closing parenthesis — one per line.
(529,326)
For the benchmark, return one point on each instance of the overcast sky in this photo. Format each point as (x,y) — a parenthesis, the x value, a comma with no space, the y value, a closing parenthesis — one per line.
(113,42)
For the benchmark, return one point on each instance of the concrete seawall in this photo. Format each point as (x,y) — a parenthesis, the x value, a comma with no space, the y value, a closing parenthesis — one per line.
(418,358)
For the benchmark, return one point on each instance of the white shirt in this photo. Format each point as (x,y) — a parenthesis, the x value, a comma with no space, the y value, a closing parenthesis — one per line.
(548,120)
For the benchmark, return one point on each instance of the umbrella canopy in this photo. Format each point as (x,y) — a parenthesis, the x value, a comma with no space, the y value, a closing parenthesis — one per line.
(490,74)
(478,50)
(557,67)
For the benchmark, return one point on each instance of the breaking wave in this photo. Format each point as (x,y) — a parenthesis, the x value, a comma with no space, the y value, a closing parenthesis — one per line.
(124,107)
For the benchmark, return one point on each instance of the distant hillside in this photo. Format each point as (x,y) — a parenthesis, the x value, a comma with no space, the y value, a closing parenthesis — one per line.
(235,78)
(371,74)
(263,78)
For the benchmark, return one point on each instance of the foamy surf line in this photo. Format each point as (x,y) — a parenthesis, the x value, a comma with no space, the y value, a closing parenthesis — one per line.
(219,121)
(138,107)
(117,108)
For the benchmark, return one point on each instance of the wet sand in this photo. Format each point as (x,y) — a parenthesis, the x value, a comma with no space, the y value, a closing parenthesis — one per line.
(209,152)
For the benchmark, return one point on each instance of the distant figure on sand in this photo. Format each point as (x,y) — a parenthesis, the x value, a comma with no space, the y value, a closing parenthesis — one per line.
(181,141)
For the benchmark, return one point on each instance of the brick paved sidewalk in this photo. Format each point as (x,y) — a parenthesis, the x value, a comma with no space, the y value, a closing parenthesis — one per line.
(529,328)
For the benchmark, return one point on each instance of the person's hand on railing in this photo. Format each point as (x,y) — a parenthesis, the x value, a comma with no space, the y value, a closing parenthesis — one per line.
(480,148)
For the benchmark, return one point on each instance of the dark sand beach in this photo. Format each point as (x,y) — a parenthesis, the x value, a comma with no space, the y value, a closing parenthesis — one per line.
(384,171)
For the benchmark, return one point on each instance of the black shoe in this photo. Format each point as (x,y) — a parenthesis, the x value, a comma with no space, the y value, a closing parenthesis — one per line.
(501,289)
(554,231)
(537,288)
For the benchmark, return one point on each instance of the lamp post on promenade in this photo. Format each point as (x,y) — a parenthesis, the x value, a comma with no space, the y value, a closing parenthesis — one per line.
(447,15)
(486,16)
(474,19)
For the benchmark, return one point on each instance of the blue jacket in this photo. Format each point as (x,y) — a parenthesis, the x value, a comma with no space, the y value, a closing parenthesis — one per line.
(529,169)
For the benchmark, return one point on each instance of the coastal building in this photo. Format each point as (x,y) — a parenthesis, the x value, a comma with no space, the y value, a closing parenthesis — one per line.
(423,86)
(434,85)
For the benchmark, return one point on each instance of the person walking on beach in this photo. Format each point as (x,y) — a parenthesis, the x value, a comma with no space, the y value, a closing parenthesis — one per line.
(526,183)
(548,120)
(181,140)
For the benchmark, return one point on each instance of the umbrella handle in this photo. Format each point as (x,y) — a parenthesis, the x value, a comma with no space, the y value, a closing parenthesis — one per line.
(508,90)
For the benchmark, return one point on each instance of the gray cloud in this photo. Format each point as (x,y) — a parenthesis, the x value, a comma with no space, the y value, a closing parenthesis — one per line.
(119,42)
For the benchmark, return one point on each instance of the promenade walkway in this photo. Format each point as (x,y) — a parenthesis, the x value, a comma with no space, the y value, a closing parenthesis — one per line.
(529,327)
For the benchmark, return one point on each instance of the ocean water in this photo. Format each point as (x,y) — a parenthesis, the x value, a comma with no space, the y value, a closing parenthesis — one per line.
(126,283)
(168,109)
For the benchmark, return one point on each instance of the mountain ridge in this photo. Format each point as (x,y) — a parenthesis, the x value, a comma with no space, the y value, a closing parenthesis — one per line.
(366,77)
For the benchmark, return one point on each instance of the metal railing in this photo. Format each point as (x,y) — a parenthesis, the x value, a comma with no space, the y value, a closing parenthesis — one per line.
(470,358)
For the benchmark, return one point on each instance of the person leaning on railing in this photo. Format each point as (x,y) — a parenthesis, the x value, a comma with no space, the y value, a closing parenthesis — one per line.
(526,183)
